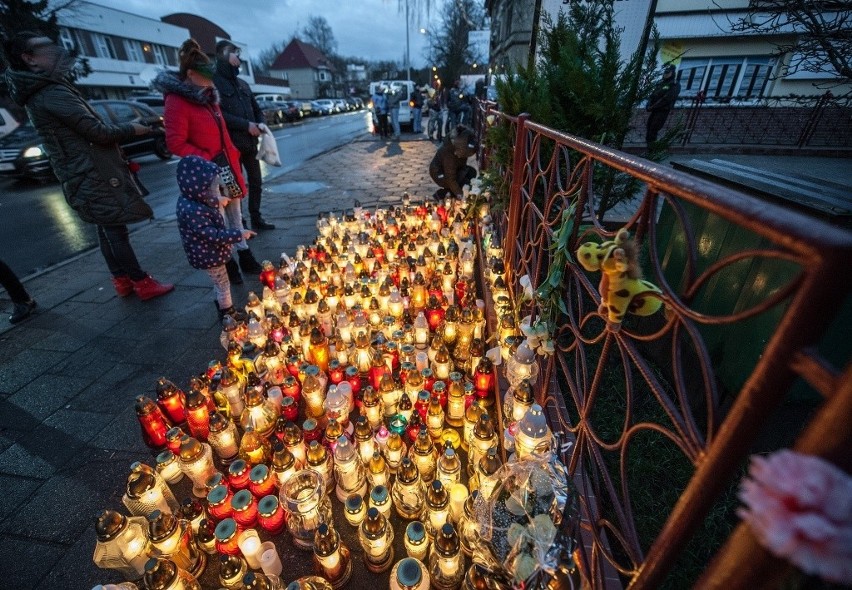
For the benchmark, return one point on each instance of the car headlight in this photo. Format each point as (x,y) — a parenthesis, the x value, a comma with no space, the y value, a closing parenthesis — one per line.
(34,152)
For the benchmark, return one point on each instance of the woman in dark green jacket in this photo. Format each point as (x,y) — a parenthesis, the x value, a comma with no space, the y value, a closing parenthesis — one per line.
(84,154)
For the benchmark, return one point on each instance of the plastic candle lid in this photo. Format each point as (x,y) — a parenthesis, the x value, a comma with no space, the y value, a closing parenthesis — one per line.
(415,532)
(409,573)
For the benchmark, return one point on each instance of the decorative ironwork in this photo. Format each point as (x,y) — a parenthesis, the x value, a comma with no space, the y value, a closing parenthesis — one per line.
(656,374)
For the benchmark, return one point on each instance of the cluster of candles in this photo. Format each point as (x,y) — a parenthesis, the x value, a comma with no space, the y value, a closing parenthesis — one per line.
(372,338)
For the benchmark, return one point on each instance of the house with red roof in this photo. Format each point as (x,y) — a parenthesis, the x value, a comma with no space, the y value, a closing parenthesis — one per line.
(310,73)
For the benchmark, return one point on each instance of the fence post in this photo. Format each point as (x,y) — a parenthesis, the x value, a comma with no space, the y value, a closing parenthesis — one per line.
(515,205)
(813,119)
(692,117)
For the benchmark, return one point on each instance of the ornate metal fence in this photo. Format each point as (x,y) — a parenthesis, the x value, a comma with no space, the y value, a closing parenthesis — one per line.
(644,398)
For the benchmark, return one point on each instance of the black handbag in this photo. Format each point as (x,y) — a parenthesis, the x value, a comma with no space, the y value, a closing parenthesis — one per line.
(230,186)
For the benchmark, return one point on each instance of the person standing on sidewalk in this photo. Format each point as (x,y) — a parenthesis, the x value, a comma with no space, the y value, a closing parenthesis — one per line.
(394,98)
(416,110)
(380,109)
(84,154)
(195,127)
(242,117)
(660,103)
(24,304)
(206,240)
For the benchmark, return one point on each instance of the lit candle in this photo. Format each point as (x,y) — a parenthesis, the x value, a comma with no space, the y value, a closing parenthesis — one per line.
(458,495)
(249,544)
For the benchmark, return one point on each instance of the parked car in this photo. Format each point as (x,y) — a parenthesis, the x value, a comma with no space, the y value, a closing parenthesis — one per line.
(322,107)
(156,101)
(327,105)
(23,157)
(292,111)
(8,123)
(355,104)
(272,112)
(342,105)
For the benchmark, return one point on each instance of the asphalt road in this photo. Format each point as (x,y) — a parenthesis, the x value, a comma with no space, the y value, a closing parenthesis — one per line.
(38,229)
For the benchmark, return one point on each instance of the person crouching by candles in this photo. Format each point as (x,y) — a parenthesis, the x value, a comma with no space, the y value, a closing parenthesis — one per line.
(206,240)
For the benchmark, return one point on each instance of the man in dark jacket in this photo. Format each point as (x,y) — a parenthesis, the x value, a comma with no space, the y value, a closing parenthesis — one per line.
(661,102)
(449,167)
(242,117)
(84,154)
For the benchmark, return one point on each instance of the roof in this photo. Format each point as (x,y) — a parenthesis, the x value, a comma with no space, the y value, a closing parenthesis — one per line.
(269,81)
(206,32)
(299,55)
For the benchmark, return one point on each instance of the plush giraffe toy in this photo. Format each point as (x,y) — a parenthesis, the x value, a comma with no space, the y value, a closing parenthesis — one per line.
(622,288)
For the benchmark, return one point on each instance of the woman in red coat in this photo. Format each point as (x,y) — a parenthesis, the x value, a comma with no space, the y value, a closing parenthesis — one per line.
(195,127)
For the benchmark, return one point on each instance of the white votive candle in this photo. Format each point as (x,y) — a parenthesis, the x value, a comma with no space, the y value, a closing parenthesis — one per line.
(249,544)
(269,560)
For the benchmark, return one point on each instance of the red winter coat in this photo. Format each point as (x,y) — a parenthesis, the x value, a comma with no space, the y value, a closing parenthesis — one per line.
(192,118)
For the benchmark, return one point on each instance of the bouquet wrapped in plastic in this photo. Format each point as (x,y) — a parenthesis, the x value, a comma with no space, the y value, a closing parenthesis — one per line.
(529,523)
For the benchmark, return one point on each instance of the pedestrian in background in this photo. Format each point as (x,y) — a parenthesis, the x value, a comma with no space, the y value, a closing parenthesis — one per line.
(394,98)
(449,167)
(661,102)
(206,240)
(195,127)
(380,109)
(24,304)
(242,116)
(416,105)
(84,153)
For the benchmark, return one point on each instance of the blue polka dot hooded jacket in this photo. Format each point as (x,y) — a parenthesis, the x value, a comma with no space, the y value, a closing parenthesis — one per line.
(206,240)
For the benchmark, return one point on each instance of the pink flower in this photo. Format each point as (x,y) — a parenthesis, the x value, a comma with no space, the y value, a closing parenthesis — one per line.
(800,508)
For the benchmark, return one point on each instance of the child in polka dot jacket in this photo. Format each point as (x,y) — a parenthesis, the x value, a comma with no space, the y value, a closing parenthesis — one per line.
(206,240)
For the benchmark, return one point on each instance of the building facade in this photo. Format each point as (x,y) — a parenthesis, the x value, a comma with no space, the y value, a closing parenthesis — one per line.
(306,68)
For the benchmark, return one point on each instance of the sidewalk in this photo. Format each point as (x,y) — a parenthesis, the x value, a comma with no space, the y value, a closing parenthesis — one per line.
(69,375)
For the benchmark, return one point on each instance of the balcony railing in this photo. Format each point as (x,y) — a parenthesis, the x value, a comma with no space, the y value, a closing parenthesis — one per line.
(627,392)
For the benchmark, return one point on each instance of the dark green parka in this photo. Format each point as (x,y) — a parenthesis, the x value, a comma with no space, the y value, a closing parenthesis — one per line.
(83,150)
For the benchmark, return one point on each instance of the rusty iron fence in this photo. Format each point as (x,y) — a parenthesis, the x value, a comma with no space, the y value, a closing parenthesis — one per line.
(614,387)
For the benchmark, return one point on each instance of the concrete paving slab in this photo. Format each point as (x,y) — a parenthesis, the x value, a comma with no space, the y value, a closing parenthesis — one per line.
(25,561)
(14,491)
(26,366)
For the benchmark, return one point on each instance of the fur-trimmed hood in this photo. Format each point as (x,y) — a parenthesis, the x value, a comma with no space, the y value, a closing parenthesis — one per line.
(170,83)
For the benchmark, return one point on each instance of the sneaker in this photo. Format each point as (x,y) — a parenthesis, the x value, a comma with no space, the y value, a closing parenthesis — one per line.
(148,288)
(260,224)
(123,286)
(22,311)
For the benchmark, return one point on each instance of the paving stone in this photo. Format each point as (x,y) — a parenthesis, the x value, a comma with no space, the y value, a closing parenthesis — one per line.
(65,504)
(27,366)
(78,424)
(76,569)
(14,491)
(94,359)
(24,411)
(122,434)
(116,391)
(26,562)
(41,453)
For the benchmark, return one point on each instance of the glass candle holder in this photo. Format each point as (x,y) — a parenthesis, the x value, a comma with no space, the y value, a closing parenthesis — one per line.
(534,436)
(143,496)
(449,467)
(416,540)
(394,451)
(350,473)
(468,527)
(437,507)
(171,400)
(197,414)
(249,544)
(319,459)
(161,572)
(168,467)
(455,400)
(408,491)
(153,423)
(259,413)
(486,471)
(458,496)
(172,538)
(239,474)
(193,510)
(283,464)
(409,574)
(331,556)
(306,504)
(226,537)
(206,537)
(446,563)
(271,517)
(380,500)
(376,538)
(377,470)
(232,568)
(219,502)
(223,437)
(244,509)
(173,437)
(196,461)
(364,439)
(355,509)
(270,562)
(261,481)
(122,543)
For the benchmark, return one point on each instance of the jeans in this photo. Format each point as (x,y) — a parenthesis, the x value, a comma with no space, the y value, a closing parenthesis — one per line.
(255,183)
(12,284)
(442,128)
(417,114)
(121,261)
(394,113)
(234,220)
(221,286)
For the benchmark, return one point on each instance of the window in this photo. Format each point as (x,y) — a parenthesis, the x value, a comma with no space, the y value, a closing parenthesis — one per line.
(322,76)
(725,78)
(159,56)
(66,39)
(103,46)
(133,50)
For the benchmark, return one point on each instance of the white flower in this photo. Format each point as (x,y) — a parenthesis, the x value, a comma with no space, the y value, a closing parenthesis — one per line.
(526,283)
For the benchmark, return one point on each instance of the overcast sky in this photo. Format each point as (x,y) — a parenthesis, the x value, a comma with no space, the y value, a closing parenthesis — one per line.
(373,29)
